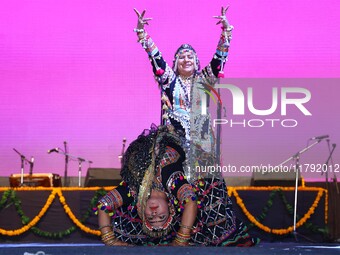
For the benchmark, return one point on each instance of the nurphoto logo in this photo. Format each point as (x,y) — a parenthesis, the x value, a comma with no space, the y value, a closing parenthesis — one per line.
(278,103)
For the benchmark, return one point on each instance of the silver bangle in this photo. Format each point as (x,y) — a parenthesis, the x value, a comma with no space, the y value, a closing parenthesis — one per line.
(230,28)
(138,30)
(100,228)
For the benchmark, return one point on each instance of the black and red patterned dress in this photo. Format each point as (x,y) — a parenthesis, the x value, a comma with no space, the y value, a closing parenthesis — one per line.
(216,223)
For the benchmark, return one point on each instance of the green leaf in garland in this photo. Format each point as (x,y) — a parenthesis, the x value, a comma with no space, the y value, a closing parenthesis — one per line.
(10,195)
(25,220)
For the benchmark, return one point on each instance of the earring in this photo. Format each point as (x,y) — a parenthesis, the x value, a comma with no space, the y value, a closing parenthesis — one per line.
(175,65)
(195,64)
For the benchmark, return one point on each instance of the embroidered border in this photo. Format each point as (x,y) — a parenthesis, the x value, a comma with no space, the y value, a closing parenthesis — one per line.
(185,192)
(170,156)
(112,199)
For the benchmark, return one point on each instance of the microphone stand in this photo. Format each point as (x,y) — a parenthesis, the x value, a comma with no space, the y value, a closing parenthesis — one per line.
(31,166)
(325,169)
(219,130)
(80,160)
(122,154)
(23,159)
(296,157)
(66,182)
(332,165)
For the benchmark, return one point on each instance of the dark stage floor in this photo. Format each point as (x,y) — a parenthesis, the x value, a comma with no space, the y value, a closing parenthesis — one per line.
(86,249)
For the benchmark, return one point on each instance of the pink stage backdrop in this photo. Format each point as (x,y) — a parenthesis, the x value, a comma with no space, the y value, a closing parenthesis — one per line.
(72,71)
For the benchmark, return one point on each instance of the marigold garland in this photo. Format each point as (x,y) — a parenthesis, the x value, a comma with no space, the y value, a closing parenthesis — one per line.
(252,219)
(33,222)
(231,191)
(49,201)
(73,217)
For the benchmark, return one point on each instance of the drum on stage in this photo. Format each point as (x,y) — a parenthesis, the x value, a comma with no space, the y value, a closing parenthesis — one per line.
(35,180)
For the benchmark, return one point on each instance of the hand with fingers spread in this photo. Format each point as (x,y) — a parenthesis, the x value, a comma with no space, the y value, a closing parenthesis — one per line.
(223,19)
(141,20)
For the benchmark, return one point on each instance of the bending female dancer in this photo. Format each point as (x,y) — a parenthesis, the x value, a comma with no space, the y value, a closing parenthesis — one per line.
(156,205)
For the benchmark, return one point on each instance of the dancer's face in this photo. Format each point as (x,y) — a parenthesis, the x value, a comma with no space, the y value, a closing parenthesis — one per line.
(157,209)
(186,63)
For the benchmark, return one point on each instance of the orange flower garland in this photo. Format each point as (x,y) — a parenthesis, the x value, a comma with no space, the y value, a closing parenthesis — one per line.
(48,203)
(302,221)
(74,218)
(232,191)
(33,222)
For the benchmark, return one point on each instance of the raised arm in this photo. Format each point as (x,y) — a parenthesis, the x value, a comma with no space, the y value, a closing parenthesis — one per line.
(162,71)
(221,55)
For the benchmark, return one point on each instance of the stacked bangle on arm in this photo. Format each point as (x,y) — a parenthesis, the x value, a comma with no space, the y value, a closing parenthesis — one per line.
(105,226)
(186,227)
(138,30)
(183,235)
(228,32)
(108,237)
(140,33)
(182,239)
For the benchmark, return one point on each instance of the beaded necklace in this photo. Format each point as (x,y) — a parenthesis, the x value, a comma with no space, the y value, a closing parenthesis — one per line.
(185,83)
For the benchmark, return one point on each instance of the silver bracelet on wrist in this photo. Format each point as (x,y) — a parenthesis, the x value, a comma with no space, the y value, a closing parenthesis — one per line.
(138,30)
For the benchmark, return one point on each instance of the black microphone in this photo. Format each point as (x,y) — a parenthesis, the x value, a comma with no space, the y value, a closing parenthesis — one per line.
(319,137)
(123,149)
(53,150)
(65,146)
(124,142)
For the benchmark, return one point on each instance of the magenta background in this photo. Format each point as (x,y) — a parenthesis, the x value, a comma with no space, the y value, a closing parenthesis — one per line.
(72,71)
